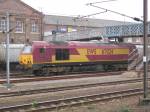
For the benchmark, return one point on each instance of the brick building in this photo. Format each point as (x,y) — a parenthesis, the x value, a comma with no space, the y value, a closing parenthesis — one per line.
(28,24)
(25,22)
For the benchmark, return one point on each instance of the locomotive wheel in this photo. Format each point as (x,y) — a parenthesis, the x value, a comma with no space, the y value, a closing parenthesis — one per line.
(37,72)
(109,68)
(105,67)
(45,71)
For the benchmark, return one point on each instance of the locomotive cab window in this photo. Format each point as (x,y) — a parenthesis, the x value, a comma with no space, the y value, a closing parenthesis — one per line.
(42,50)
(27,50)
(62,54)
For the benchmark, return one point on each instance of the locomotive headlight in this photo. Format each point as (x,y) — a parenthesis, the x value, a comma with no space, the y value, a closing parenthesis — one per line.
(26,56)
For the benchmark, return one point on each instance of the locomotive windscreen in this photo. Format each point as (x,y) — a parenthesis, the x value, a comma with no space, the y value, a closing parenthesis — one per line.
(27,49)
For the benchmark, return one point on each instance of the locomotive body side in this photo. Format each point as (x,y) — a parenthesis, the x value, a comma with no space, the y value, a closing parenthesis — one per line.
(54,57)
(93,54)
(52,54)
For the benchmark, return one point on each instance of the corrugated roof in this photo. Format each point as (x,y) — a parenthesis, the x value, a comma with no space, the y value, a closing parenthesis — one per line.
(72,21)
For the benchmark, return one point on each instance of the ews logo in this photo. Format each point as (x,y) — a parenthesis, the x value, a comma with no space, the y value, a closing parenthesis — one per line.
(100,52)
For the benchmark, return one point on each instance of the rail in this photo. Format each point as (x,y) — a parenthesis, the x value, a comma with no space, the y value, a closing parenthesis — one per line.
(64,88)
(73,101)
(61,77)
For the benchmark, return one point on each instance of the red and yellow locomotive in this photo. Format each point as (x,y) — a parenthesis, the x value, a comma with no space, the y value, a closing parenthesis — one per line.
(53,57)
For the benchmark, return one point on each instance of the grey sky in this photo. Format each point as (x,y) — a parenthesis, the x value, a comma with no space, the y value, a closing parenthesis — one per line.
(132,8)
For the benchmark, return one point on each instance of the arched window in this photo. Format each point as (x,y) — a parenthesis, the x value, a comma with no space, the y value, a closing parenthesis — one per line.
(19,26)
(34,26)
(2,24)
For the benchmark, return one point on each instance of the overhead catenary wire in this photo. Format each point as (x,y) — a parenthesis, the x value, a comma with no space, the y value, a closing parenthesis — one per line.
(80,17)
(102,1)
(108,10)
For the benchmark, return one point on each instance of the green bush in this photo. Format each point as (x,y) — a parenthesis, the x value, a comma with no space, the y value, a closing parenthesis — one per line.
(34,104)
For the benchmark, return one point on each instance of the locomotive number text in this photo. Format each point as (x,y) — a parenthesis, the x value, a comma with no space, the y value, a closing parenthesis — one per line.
(107,51)
(91,51)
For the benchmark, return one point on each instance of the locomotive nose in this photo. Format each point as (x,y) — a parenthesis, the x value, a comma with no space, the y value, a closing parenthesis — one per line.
(26,59)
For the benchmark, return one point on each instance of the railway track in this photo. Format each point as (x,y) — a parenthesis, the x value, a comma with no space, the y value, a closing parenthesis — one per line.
(64,88)
(15,75)
(73,101)
(21,74)
(60,77)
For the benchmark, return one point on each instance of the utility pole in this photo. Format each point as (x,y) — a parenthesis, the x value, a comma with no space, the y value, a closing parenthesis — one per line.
(145,39)
(145,50)
(7,51)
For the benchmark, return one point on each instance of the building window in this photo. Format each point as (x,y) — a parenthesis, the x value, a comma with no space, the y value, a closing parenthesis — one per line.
(12,40)
(129,40)
(2,25)
(27,40)
(138,39)
(34,26)
(19,26)
(62,54)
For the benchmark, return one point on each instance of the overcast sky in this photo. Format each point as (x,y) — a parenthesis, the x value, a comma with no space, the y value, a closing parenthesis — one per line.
(132,8)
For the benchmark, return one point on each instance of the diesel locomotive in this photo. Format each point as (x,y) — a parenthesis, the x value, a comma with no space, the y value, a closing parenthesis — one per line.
(73,56)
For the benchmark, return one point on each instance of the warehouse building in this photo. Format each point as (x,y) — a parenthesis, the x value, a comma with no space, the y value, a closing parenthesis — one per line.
(63,24)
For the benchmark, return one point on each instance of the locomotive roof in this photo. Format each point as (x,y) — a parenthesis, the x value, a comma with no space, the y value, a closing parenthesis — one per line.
(77,44)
